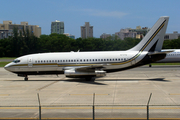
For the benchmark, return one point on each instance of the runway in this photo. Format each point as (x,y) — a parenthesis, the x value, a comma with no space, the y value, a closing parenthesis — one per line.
(120,95)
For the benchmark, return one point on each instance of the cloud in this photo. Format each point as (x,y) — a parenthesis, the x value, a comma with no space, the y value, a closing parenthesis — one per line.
(101,13)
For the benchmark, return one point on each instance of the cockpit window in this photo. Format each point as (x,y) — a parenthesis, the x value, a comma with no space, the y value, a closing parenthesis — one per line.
(16,61)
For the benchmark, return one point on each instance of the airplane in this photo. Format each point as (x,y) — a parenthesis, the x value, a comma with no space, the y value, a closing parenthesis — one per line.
(89,65)
(172,57)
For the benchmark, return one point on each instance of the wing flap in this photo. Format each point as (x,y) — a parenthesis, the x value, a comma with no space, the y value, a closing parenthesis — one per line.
(90,68)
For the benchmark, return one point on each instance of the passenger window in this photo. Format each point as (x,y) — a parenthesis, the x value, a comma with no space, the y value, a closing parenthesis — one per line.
(38,61)
(104,59)
(80,60)
(87,59)
(35,61)
(107,59)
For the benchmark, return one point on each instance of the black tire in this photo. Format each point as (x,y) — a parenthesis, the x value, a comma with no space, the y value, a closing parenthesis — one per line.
(88,78)
(26,79)
(150,65)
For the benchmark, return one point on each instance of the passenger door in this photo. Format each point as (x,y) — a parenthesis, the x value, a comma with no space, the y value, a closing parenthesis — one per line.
(30,62)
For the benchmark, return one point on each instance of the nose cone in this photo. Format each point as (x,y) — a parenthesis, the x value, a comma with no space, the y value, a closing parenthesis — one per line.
(7,67)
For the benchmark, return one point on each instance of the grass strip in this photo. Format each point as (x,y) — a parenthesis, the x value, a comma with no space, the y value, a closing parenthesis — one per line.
(1,58)
(2,64)
(164,64)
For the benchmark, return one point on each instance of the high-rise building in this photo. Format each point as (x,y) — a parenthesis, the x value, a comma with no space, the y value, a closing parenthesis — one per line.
(6,29)
(57,27)
(86,31)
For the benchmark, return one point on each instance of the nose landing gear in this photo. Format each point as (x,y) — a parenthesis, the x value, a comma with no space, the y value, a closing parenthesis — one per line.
(25,76)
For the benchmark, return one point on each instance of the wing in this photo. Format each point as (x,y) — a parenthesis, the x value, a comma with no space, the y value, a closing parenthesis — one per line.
(81,71)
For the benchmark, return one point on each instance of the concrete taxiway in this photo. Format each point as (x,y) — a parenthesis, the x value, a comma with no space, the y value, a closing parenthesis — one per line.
(119,95)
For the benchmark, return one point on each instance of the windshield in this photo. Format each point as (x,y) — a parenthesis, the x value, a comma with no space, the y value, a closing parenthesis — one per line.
(16,61)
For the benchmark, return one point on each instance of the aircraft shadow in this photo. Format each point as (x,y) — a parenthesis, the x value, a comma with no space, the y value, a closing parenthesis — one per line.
(121,79)
(80,80)
(96,81)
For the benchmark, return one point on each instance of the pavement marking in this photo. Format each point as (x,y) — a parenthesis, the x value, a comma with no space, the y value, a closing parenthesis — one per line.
(90,118)
(174,94)
(19,107)
(103,108)
(4,94)
(89,94)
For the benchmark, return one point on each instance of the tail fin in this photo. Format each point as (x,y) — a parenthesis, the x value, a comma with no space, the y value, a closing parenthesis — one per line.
(154,39)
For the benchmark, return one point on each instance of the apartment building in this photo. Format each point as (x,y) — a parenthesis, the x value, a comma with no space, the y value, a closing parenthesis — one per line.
(171,36)
(86,31)
(6,29)
(57,27)
(132,33)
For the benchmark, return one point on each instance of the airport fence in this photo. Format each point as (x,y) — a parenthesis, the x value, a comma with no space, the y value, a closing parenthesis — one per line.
(91,111)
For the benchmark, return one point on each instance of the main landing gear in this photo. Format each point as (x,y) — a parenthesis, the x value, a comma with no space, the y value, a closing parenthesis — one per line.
(150,65)
(89,78)
(26,78)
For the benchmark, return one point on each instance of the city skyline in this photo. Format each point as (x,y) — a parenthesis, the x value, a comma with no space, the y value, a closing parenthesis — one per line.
(104,15)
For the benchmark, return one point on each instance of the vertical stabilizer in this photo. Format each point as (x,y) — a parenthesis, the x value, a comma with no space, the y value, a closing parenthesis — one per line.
(154,39)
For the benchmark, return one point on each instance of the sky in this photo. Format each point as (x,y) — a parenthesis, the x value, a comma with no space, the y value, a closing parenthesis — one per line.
(106,16)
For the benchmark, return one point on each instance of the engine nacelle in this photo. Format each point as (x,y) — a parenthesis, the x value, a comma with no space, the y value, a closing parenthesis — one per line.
(81,74)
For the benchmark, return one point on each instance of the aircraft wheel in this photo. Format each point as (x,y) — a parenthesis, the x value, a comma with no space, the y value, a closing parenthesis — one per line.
(150,65)
(26,78)
(88,78)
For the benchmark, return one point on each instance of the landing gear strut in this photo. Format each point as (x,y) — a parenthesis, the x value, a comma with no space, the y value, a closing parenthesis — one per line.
(150,65)
(26,78)
(88,78)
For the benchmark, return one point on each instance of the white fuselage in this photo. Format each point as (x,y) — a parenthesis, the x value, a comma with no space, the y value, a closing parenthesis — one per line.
(67,60)
(172,57)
